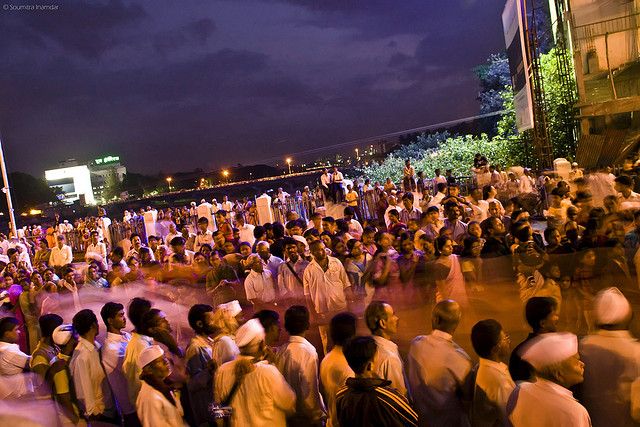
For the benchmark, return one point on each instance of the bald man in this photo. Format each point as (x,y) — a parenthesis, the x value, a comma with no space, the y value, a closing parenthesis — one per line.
(437,370)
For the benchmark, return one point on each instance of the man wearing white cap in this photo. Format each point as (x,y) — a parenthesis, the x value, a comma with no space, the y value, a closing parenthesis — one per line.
(548,401)
(611,388)
(257,391)
(225,322)
(157,404)
(59,378)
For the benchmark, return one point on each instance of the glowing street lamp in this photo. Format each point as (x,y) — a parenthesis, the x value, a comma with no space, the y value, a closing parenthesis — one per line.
(289,163)
(226,175)
(357,154)
(169,179)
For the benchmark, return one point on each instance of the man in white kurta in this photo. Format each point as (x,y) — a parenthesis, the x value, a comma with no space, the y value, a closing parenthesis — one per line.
(326,286)
(61,254)
(437,370)
(548,401)
(297,359)
(154,408)
(611,356)
(260,286)
(263,398)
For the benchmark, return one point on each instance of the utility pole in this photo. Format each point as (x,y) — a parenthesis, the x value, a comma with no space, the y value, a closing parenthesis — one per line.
(6,191)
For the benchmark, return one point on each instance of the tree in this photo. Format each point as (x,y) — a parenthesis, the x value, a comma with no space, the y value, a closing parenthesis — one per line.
(27,192)
(112,186)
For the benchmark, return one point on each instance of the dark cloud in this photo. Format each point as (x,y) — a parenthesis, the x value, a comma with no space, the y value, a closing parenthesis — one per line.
(180,86)
(89,29)
(195,32)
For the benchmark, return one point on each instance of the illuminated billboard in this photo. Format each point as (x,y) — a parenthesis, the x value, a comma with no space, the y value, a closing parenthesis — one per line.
(75,182)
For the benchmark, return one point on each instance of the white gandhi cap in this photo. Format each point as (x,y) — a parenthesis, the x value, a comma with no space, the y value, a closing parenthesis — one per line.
(251,332)
(62,334)
(548,349)
(611,307)
(230,309)
(148,355)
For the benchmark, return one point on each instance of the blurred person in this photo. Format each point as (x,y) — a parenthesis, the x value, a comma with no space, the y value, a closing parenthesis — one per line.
(200,363)
(367,400)
(334,369)
(437,370)
(139,341)
(220,281)
(46,349)
(611,388)
(225,324)
(257,391)
(58,376)
(297,359)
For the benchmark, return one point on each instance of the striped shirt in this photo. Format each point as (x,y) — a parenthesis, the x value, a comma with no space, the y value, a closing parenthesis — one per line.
(370,401)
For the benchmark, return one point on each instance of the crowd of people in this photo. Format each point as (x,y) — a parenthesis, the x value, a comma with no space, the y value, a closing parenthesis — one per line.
(206,307)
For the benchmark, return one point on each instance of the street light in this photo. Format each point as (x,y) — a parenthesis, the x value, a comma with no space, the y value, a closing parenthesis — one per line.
(169,181)
(357,154)
(289,163)
(226,175)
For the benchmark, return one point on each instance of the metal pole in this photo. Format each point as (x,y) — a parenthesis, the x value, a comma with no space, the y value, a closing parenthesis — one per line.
(6,191)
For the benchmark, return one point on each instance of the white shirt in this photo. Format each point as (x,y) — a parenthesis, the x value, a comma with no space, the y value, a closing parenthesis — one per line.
(263,400)
(297,359)
(334,371)
(292,287)
(493,388)
(260,286)
(325,179)
(60,257)
(246,233)
(12,359)
(224,349)
(526,184)
(544,404)
(99,248)
(154,410)
(611,387)
(137,343)
(355,227)
(170,237)
(89,380)
(390,366)
(326,288)
(437,370)
(480,211)
(337,177)
(205,238)
(113,351)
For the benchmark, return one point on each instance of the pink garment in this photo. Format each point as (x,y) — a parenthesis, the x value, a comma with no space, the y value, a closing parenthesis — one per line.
(453,286)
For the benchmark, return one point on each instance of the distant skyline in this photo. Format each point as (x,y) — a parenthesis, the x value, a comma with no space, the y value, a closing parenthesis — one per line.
(175,86)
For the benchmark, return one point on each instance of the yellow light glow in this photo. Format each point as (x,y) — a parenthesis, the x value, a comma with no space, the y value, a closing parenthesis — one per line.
(169,179)
(289,160)
(35,212)
(225,173)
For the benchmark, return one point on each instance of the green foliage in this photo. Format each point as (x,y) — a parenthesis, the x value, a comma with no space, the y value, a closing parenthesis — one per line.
(112,186)
(27,192)
(455,153)
(560,97)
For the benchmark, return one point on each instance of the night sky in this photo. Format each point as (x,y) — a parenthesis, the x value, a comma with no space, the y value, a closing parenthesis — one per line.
(177,85)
